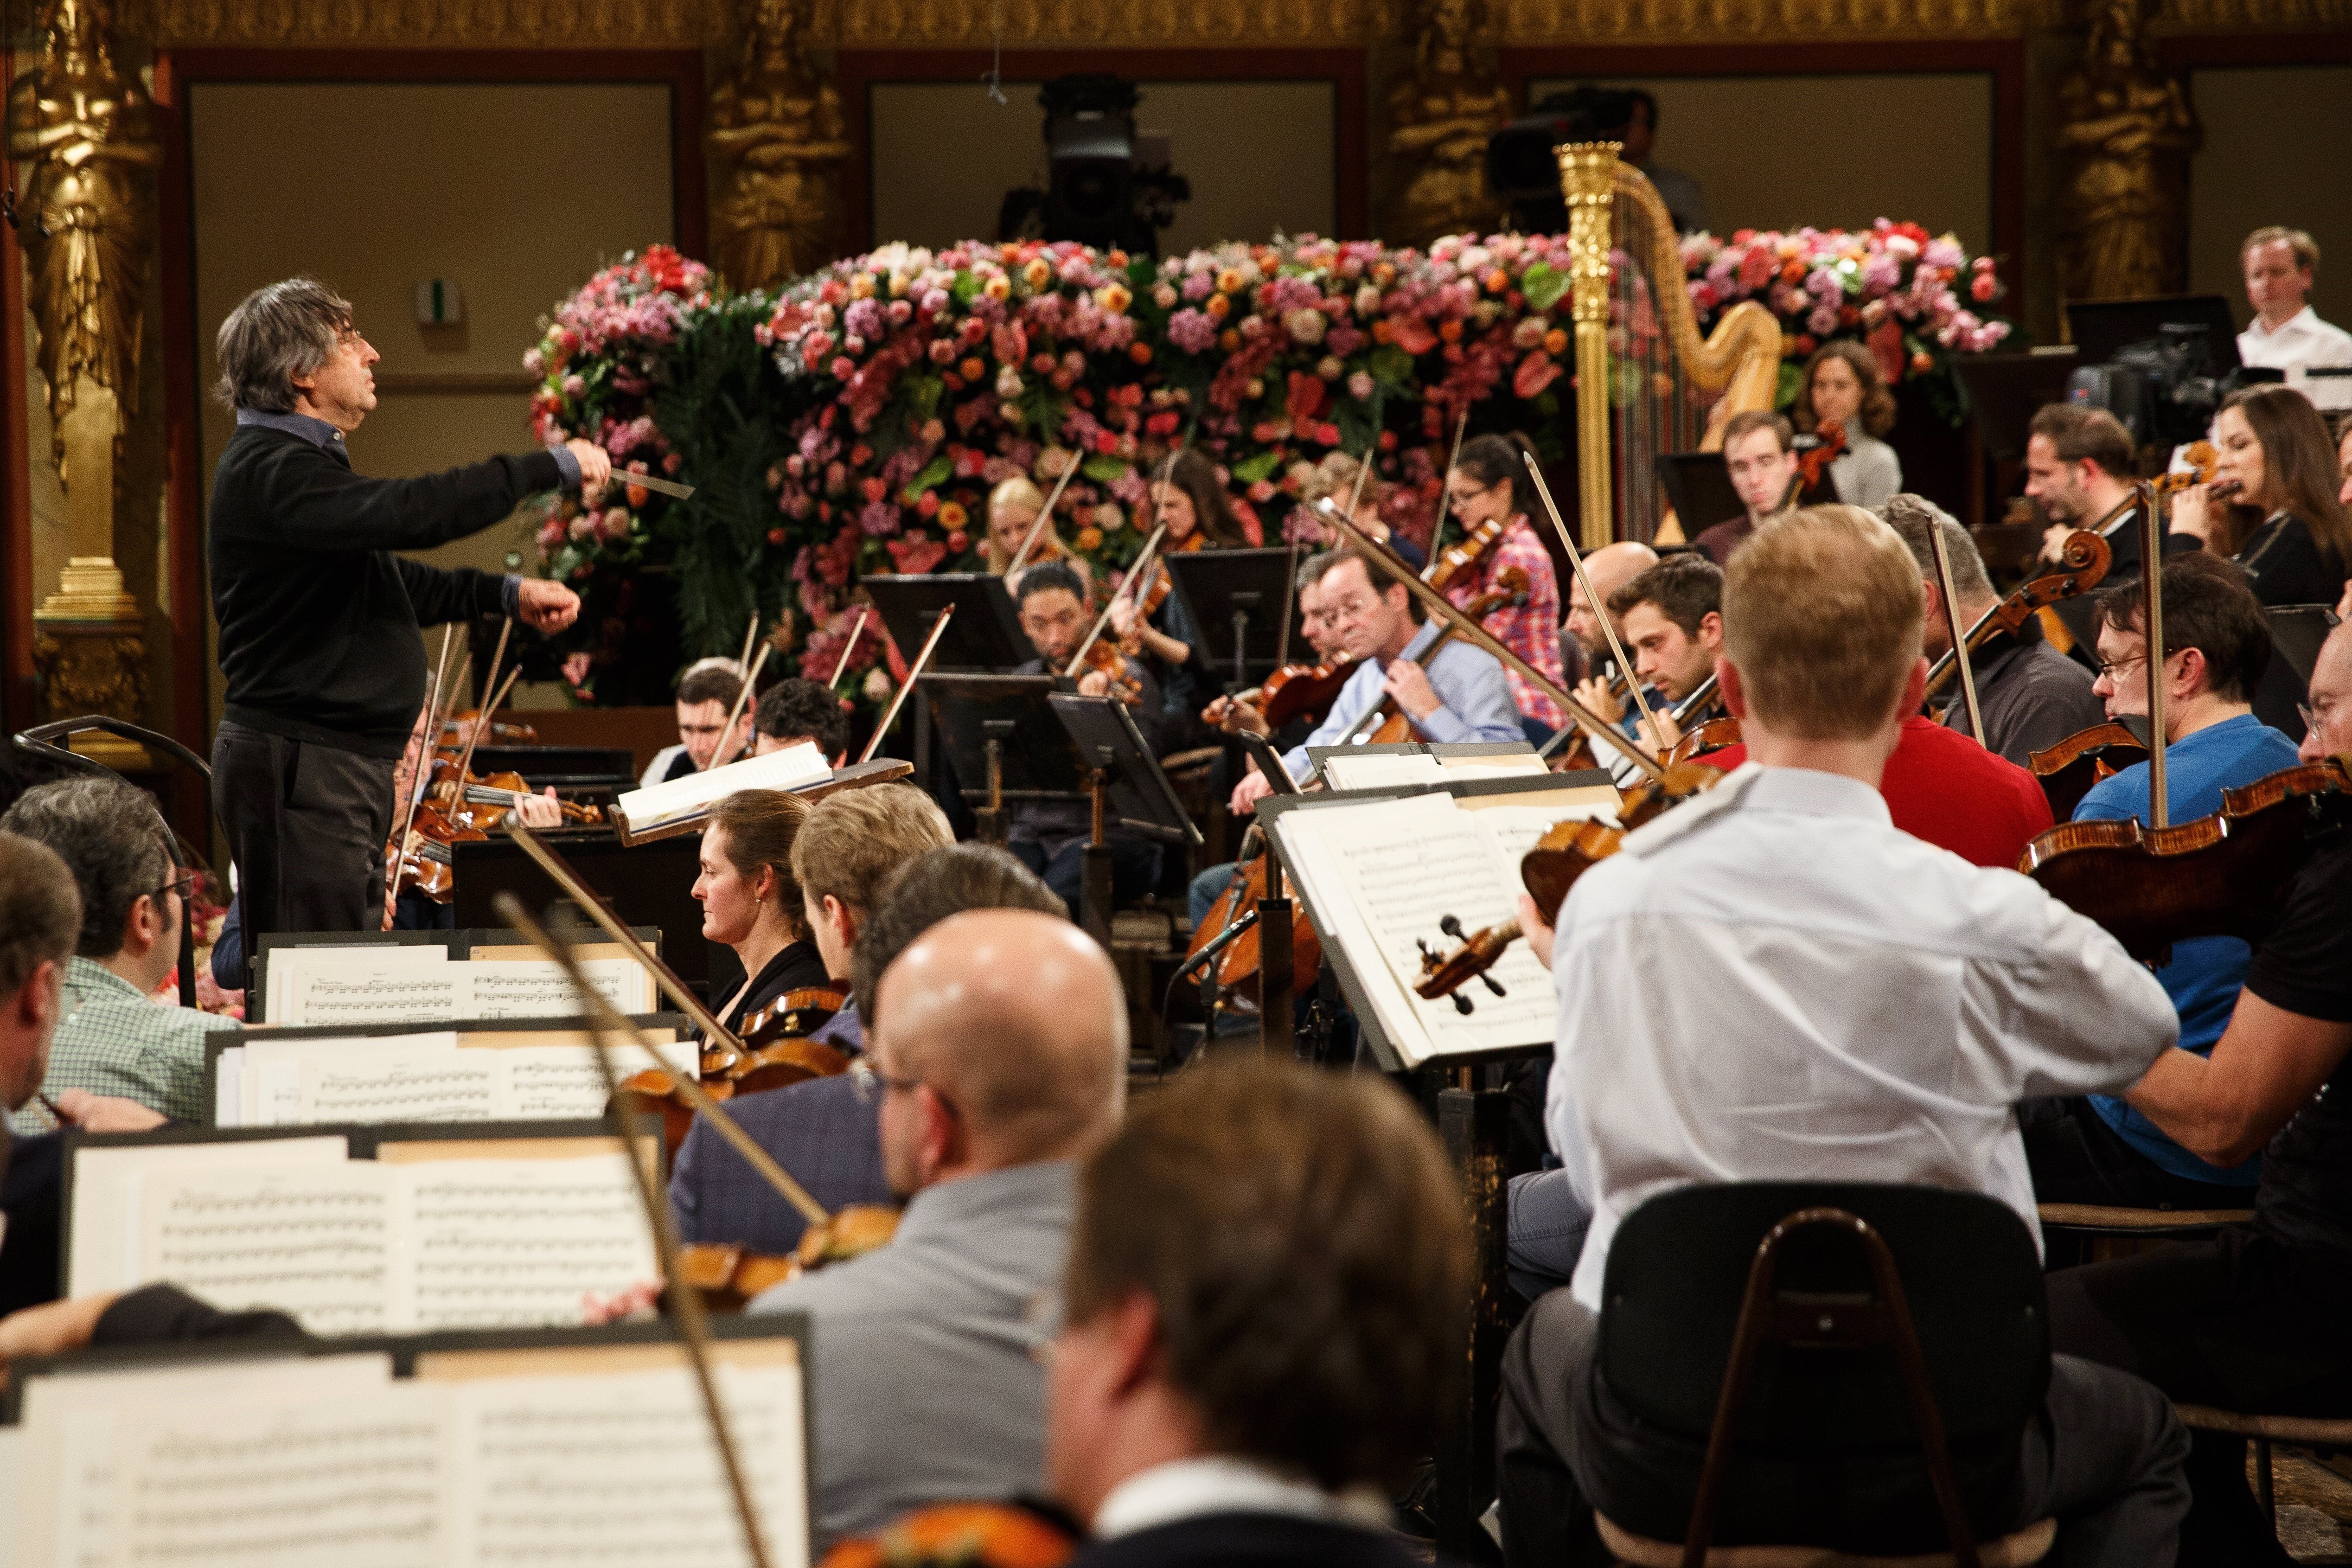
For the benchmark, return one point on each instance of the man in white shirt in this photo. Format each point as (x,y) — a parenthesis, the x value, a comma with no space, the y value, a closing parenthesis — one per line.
(1264,1291)
(2285,333)
(1771,983)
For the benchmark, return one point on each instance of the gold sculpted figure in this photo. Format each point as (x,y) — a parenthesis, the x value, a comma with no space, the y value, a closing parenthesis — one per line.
(778,127)
(1440,116)
(85,128)
(2128,125)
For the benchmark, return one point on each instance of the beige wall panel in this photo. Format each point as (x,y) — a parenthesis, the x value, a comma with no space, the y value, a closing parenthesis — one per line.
(516,191)
(1784,152)
(2278,148)
(1260,156)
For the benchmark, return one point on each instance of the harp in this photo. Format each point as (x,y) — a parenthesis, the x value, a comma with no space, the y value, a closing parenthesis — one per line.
(1646,383)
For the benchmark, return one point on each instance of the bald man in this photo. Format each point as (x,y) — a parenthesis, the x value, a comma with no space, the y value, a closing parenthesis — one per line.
(1611,567)
(998,1058)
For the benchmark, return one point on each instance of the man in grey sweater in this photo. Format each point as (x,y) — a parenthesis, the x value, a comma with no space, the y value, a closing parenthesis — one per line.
(997,1058)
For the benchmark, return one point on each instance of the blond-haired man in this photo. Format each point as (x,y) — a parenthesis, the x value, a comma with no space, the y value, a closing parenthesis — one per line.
(1873,1010)
(2287,333)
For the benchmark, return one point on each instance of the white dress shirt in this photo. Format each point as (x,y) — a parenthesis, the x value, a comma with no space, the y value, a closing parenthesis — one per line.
(1218,1483)
(1772,982)
(2302,341)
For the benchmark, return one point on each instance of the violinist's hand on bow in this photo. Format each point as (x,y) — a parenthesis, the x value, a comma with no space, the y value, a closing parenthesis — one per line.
(1254,787)
(1094,683)
(1409,684)
(547,605)
(1594,693)
(595,466)
(1537,934)
(1661,736)
(634,1303)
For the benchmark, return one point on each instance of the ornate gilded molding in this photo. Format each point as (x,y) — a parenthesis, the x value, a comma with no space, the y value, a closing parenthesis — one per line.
(1535,24)
(1147,23)
(426,24)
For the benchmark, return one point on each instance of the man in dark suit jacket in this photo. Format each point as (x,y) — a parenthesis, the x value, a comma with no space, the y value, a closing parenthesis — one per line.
(1265,1278)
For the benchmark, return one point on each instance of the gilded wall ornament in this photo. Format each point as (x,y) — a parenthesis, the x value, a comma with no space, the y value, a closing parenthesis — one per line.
(2126,127)
(776,132)
(1440,115)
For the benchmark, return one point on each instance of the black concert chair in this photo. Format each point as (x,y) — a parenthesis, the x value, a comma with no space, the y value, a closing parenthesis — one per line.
(1848,1368)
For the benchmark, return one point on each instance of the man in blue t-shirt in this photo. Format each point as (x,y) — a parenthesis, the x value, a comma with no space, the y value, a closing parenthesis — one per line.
(2101,1149)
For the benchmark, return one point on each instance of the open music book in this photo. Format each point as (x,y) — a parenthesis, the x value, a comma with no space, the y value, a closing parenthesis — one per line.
(429,1233)
(1386,767)
(640,811)
(596,1453)
(423,983)
(429,1076)
(1378,875)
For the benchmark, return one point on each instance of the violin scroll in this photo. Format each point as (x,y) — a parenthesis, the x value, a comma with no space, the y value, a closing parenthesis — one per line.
(1471,961)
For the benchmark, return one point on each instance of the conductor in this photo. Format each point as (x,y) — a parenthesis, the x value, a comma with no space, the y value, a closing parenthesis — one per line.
(318,617)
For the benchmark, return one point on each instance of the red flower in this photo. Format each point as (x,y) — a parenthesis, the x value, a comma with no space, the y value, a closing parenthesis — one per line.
(1886,347)
(1411,335)
(1536,371)
(873,488)
(917,554)
(1308,393)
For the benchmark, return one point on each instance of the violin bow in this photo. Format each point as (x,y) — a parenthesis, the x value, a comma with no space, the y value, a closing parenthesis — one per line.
(750,635)
(914,673)
(742,696)
(1037,529)
(481,723)
(490,671)
(1142,574)
(2151,573)
(1952,625)
(850,647)
(1446,492)
(1290,598)
(1444,609)
(713,1031)
(1600,610)
(2083,577)
(686,1301)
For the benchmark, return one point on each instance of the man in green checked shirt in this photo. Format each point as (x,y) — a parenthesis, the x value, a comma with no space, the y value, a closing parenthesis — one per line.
(112,1039)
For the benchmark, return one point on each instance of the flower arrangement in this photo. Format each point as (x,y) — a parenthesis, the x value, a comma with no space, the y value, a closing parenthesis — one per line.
(868,409)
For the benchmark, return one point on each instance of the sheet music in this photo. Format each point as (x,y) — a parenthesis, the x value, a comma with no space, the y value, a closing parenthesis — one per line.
(507,1243)
(1384,874)
(788,769)
(1381,770)
(431,1077)
(383,982)
(103,1254)
(620,1470)
(319,1244)
(358,1482)
(538,987)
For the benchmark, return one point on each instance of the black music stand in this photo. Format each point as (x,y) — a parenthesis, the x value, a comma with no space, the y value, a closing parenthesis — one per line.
(997,728)
(1127,788)
(2005,391)
(1241,595)
(985,633)
(2101,327)
(1700,488)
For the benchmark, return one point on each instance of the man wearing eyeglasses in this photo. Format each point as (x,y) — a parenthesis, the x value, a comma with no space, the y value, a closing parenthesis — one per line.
(2101,1149)
(111,1039)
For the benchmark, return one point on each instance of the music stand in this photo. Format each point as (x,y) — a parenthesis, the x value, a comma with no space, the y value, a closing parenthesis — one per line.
(985,633)
(1241,595)
(997,729)
(2099,328)
(1127,786)
(2005,391)
(1700,488)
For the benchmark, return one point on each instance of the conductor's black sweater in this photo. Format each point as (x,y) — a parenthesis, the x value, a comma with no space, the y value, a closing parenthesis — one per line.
(318,617)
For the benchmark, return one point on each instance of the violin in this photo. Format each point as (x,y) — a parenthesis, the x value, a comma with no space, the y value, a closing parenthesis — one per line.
(1149,598)
(776,1052)
(2223,875)
(482,802)
(2068,769)
(964,1535)
(1701,738)
(729,1276)
(1550,869)
(1294,691)
(2082,566)
(458,727)
(1810,465)
(1111,659)
(1463,554)
(424,864)
(1388,724)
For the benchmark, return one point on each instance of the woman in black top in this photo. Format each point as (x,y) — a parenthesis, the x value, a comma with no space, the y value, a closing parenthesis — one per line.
(2286,525)
(749,901)
(1192,500)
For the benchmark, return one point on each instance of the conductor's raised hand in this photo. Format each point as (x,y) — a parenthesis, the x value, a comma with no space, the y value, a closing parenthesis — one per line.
(595,466)
(547,605)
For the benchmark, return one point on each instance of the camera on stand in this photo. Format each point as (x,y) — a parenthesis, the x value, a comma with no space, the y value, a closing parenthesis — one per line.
(1108,184)
(2160,366)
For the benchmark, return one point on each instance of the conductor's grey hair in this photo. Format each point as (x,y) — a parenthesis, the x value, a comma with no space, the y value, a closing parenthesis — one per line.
(275,334)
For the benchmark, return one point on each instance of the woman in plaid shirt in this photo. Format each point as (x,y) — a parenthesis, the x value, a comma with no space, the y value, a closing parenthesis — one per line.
(1490,480)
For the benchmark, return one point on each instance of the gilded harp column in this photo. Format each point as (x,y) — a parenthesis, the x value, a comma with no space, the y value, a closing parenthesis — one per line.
(1588,178)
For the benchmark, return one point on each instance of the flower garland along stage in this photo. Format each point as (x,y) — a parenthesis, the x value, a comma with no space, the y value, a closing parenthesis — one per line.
(855,422)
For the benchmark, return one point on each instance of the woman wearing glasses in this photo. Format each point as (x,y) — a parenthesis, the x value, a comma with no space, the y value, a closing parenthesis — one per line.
(1491,489)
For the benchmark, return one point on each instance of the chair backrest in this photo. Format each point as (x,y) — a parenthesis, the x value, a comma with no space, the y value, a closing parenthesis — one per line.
(1678,1268)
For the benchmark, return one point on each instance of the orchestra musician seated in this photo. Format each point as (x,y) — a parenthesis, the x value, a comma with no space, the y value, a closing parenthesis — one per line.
(1012,509)
(1335,479)
(1669,617)
(2252,1320)
(851,846)
(113,1039)
(1215,1394)
(1873,1010)
(797,708)
(706,695)
(1491,488)
(1189,499)
(2103,1151)
(1759,451)
(1050,836)
(1460,696)
(2029,694)
(2079,469)
(1610,568)
(2282,522)
(998,1059)
(749,901)
(1842,383)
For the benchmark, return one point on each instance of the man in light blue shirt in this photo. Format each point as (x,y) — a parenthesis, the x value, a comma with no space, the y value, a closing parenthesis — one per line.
(1459,695)
(2101,1151)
